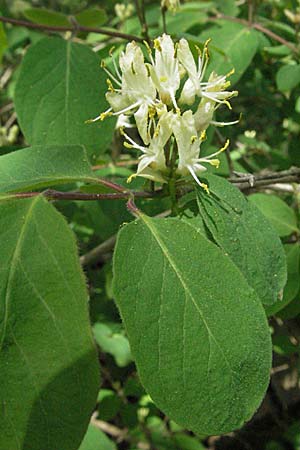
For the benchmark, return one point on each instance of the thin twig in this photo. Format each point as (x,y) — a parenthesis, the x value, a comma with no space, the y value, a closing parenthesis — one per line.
(11,120)
(242,182)
(141,16)
(72,28)
(74,195)
(250,12)
(6,108)
(259,27)
(112,430)
(248,181)
(96,253)
(100,253)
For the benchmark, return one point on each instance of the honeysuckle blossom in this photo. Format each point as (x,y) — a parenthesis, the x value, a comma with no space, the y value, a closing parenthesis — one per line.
(153,161)
(188,144)
(158,94)
(165,70)
(212,97)
(136,92)
(170,5)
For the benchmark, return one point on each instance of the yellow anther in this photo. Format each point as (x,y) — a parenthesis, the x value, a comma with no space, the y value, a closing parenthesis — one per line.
(111,51)
(129,179)
(205,187)
(232,71)
(228,104)
(193,139)
(198,50)
(104,115)
(205,48)
(151,112)
(163,79)
(203,135)
(121,131)
(147,47)
(102,64)
(110,86)
(156,132)
(226,145)
(157,45)
(127,145)
(215,163)
(132,68)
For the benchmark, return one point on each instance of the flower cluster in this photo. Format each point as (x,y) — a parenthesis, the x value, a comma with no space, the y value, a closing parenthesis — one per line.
(172,105)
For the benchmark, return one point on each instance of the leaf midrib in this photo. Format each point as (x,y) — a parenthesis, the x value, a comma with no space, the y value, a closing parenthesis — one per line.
(165,251)
(13,265)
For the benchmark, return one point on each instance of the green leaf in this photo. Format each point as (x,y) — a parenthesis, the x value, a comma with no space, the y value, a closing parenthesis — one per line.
(288,77)
(48,364)
(281,216)
(48,17)
(60,86)
(109,404)
(278,50)
(233,46)
(95,439)
(197,331)
(248,238)
(228,8)
(114,343)
(91,17)
(293,280)
(44,166)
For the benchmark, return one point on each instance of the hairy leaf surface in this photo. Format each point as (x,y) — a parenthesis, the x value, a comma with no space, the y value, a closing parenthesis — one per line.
(197,331)
(60,86)
(48,364)
(43,166)
(242,231)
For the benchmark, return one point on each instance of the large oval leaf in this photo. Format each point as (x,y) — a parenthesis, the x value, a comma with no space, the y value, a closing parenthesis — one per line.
(242,231)
(44,166)
(48,365)
(60,86)
(197,331)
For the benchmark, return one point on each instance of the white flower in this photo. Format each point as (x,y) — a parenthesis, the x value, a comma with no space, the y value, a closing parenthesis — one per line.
(136,92)
(123,11)
(188,144)
(213,89)
(213,96)
(170,5)
(152,162)
(165,70)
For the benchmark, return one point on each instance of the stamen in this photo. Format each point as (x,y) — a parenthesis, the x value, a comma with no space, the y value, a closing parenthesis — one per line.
(132,143)
(129,179)
(110,85)
(202,185)
(110,74)
(128,108)
(101,117)
(157,45)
